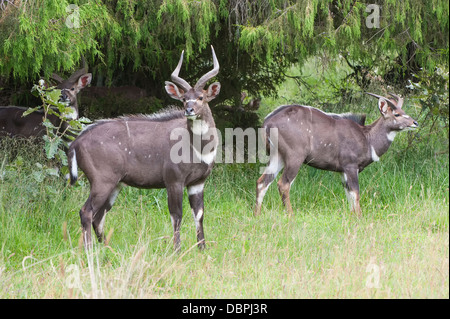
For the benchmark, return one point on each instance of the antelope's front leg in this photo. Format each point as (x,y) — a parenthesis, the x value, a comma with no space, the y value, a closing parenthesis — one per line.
(351,186)
(175,203)
(195,193)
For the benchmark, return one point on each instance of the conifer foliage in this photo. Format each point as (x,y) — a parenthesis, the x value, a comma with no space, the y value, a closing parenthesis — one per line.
(139,42)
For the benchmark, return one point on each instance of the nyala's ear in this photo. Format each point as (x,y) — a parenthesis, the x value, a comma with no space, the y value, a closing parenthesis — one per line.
(213,91)
(174,91)
(383,106)
(84,81)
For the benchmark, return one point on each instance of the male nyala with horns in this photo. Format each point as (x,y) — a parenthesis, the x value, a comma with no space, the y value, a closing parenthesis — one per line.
(136,151)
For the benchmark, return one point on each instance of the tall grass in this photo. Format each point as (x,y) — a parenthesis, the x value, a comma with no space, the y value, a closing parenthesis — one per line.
(398,249)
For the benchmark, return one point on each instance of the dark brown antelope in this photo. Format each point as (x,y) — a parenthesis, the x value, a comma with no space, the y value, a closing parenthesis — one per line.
(139,151)
(14,124)
(298,134)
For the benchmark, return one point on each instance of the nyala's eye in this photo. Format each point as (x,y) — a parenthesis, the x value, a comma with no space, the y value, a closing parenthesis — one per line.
(72,89)
(200,98)
(396,115)
(184,100)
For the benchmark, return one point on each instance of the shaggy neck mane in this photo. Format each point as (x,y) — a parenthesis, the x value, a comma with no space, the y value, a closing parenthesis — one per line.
(167,114)
(357,118)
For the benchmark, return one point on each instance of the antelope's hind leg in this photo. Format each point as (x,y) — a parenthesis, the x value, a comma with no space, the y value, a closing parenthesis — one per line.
(351,186)
(271,171)
(98,221)
(93,212)
(285,182)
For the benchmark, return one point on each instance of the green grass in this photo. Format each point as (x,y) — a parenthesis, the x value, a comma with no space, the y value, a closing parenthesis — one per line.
(398,249)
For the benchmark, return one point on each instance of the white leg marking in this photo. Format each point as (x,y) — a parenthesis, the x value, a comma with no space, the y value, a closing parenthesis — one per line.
(102,224)
(275,166)
(292,181)
(195,189)
(261,196)
(351,197)
(112,197)
(197,218)
(261,193)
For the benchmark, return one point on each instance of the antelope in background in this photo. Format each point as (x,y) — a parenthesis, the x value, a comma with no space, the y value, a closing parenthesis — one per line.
(14,124)
(136,151)
(333,142)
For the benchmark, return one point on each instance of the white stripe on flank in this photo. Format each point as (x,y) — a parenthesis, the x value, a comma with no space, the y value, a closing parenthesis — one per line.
(128,129)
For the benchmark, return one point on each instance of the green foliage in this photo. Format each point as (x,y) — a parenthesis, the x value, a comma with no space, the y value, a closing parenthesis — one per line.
(306,27)
(139,42)
(56,138)
(37,35)
(430,89)
(36,38)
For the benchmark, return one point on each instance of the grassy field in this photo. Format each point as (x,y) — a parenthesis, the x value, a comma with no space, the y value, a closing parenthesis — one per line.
(398,249)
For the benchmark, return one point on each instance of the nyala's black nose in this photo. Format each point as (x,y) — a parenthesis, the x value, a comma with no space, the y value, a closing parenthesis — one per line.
(189,110)
(63,97)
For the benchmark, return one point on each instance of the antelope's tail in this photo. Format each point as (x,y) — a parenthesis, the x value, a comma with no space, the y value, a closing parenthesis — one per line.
(73,167)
